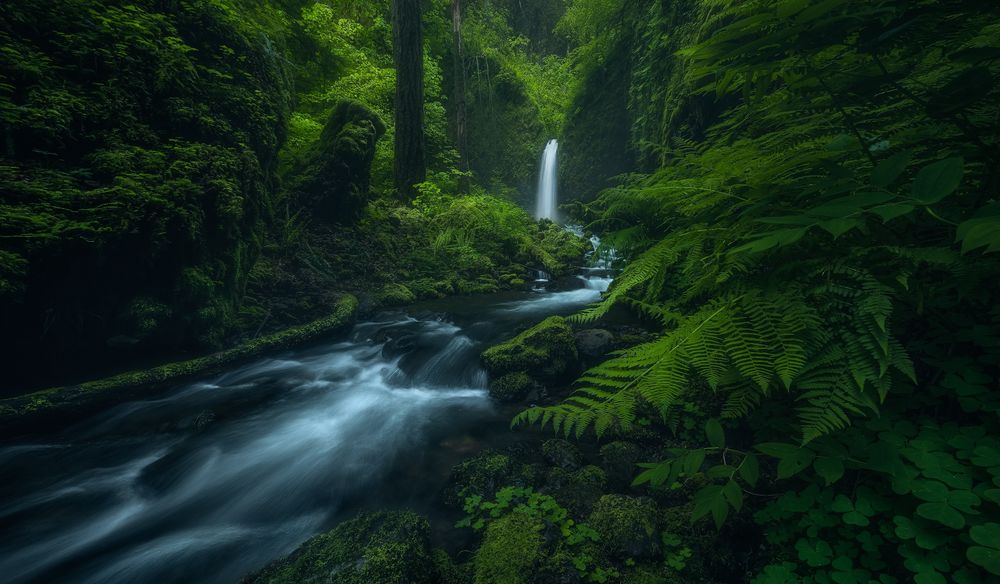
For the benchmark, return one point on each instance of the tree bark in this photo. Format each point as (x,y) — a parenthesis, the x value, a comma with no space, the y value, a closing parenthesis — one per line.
(408,53)
(458,92)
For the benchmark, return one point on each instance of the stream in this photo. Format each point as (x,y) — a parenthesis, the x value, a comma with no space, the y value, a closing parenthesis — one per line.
(215,479)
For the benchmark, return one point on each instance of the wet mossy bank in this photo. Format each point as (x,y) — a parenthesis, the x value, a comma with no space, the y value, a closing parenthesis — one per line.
(71,402)
(538,510)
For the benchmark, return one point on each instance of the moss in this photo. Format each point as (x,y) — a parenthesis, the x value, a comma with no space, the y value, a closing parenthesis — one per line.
(627,526)
(546,351)
(395,295)
(511,547)
(483,286)
(481,475)
(577,490)
(390,547)
(562,454)
(619,459)
(512,388)
(66,400)
(448,572)
(425,288)
(332,182)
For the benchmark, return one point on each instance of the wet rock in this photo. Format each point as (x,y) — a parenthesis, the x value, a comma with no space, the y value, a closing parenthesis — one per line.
(395,295)
(619,460)
(203,419)
(513,387)
(627,526)
(562,454)
(546,352)
(594,343)
(578,490)
(390,547)
(511,547)
(481,475)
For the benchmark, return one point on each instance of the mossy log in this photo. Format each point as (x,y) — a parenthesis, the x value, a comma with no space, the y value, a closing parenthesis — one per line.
(70,402)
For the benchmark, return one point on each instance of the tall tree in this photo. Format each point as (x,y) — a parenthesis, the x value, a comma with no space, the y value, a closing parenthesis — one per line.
(408,53)
(458,89)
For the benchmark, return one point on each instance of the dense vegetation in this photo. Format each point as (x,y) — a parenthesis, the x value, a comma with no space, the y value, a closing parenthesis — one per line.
(803,196)
(812,226)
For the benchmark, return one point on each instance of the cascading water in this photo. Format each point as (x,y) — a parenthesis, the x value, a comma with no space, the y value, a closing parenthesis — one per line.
(211,481)
(547,179)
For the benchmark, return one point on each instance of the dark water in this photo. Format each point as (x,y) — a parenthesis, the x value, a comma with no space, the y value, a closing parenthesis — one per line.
(215,479)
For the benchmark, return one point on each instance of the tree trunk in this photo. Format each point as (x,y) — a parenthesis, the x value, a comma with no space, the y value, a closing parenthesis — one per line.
(408,53)
(458,93)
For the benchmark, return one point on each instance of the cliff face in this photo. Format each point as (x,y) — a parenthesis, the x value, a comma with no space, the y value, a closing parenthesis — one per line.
(137,168)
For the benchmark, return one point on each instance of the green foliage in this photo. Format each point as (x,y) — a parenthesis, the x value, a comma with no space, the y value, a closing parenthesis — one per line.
(534,512)
(814,234)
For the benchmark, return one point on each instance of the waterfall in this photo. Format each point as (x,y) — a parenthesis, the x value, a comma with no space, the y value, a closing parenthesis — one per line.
(547,178)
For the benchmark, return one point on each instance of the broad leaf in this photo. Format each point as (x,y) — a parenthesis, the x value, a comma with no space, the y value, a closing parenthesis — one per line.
(937,181)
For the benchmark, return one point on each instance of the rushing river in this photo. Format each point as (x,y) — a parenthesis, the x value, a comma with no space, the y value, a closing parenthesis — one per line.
(215,479)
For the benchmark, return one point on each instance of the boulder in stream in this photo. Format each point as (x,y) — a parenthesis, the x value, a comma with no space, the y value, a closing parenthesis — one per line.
(546,351)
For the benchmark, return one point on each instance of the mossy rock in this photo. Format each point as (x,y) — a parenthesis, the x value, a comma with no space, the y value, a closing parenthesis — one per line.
(448,572)
(546,351)
(619,460)
(577,490)
(481,475)
(395,295)
(562,454)
(426,288)
(627,526)
(511,547)
(333,182)
(384,547)
(513,387)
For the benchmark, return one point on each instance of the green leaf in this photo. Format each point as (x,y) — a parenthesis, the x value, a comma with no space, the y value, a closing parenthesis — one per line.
(890,169)
(716,435)
(979,232)
(987,558)
(793,465)
(692,462)
(791,459)
(829,469)
(773,239)
(943,513)
(932,491)
(815,553)
(855,518)
(889,212)
(937,181)
(750,470)
(987,534)
(733,495)
(838,227)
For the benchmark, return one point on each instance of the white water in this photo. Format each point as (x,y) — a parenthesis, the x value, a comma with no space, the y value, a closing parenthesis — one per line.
(293,444)
(548,199)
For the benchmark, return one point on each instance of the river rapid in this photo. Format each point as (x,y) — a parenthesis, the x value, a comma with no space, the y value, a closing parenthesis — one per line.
(215,479)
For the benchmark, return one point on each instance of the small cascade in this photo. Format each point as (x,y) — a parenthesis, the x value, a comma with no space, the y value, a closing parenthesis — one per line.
(548,199)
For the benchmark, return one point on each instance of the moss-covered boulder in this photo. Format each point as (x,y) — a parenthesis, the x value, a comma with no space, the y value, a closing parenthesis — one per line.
(481,475)
(562,454)
(577,490)
(627,526)
(619,460)
(511,547)
(513,387)
(332,184)
(546,351)
(384,547)
(448,572)
(395,295)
